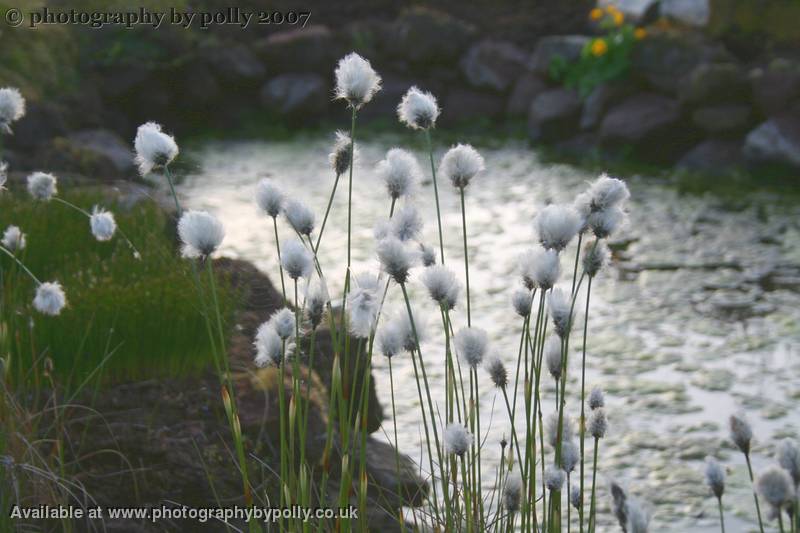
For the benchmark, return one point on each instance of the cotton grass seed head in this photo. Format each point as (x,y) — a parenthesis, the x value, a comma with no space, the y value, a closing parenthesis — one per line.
(12,108)
(50,298)
(570,455)
(607,192)
(299,216)
(283,322)
(317,299)
(595,257)
(558,305)
(457,439)
(575,496)
(789,459)
(200,232)
(395,258)
(775,486)
(154,148)
(427,255)
(598,424)
(539,267)
(42,186)
(418,110)
(400,172)
(356,80)
(596,398)
(715,477)
(13,239)
(406,224)
(554,478)
(556,225)
(497,372)
(296,260)
(552,350)
(407,330)
(442,286)
(391,340)
(103,224)
(460,164)
(567,432)
(363,301)
(343,154)
(269,197)
(269,345)
(472,344)
(741,432)
(512,492)
(521,301)
(605,223)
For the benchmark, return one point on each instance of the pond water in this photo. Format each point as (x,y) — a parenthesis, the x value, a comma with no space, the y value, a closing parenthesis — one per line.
(676,347)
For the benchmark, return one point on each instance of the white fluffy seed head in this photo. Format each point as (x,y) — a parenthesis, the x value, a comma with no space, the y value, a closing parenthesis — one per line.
(556,225)
(497,372)
(715,476)
(296,260)
(554,478)
(418,110)
(299,216)
(457,439)
(269,197)
(395,258)
(442,285)
(343,154)
(12,108)
(402,323)
(13,239)
(269,346)
(607,192)
(521,300)
(283,322)
(598,424)
(363,301)
(391,340)
(200,232)
(50,298)
(567,431)
(570,455)
(460,164)
(606,222)
(103,224)
(472,344)
(42,186)
(356,80)
(558,305)
(595,257)
(400,172)
(596,398)
(427,255)
(741,432)
(789,459)
(539,268)
(575,496)
(317,299)
(512,492)
(154,148)
(552,350)
(775,486)
(406,224)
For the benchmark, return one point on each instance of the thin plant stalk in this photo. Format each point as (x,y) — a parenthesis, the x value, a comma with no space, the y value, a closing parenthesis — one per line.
(466,255)
(755,496)
(583,397)
(278,247)
(435,191)
(721,515)
(594,484)
(328,210)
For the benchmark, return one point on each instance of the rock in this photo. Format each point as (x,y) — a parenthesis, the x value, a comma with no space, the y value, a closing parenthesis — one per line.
(579,147)
(296,95)
(464,104)
(41,122)
(493,64)
(773,21)
(642,121)
(313,49)
(105,144)
(236,63)
(664,60)
(427,37)
(527,87)
(715,83)
(567,47)
(554,115)
(775,141)
(200,86)
(635,10)
(722,119)
(690,12)
(599,100)
(99,154)
(713,156)
(775,87)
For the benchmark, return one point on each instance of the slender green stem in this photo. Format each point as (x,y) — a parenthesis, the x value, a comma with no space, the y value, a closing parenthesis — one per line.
(435,191)
(755,496)
(280,262)
(721,515)
(168,175)
(350,184)
(583,398)
(594,484)
(466,255)
(327,211)
(20,263)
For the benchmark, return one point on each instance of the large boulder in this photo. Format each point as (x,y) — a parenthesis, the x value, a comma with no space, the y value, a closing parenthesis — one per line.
(690,12)
(776,86)
(638,11)
(99,154)
(723,119)
(105,144)
(314,49)
(296,95)
(647,122)
(554,115)
(567,47)
(599,100)
(713,157)
(715,83)
(428,37)
(236,63)
(776,141)
(527,87)
(42,121)
(493,64)
(461,105)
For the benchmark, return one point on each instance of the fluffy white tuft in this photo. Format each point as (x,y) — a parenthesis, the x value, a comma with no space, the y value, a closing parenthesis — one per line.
(400,171)
(570,455)
(472,344)
(789,459)
(558,305)
(12,108)
(50,298)
(200,232)
(356,80)
(42,186)
(154,148)
(283,322)
(497,371)
(598,425)
(296,260)
(715,477)
(606,222)
(343,154)
(406,224)
(418,110)
(269,346)
(395,258)
(457,439)
(427,255)
(460,164)
(103,224)
(522,300)
(364,301)
(300,216)
(540,268)
(317,299)
(775,486)
(269,197)
(442,285)
(554,478)
(14,239)
(552,350)
(556,225)
(596,398)
(741,432)
(512,492)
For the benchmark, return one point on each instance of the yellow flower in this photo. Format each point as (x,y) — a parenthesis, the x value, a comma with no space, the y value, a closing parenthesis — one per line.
(639,33)
(618,17)
(596,14)
(599,47)
(611,9)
